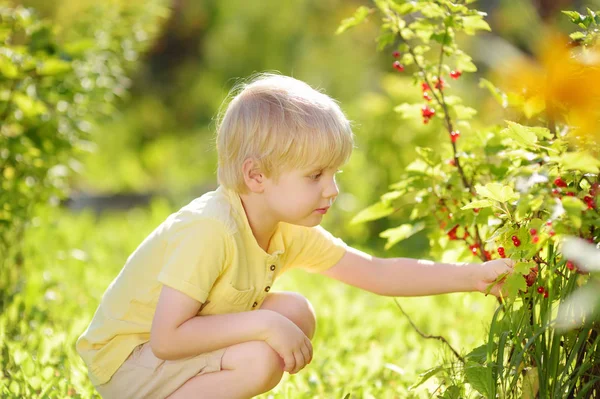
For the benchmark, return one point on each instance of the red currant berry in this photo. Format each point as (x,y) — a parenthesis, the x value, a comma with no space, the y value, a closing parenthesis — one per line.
(533,232)
(552,233)
(595,189)
(454,135)
(536,239)
(396,54)
(570,194)
(398,66)
(425,86)
(548,223)
(540,290)
(426,96)
(559,182)
(427,111)
(570,265)
(545,294)
(455,74)
(517,242)
(452,233)
(439,84)
(555,191)
(515,238)
(452,162)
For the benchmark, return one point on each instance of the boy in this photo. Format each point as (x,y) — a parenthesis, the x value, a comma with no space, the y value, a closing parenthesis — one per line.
(191,315)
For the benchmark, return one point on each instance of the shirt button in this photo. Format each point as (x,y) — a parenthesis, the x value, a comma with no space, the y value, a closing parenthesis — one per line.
(267,289)
(255,304)
(272,267)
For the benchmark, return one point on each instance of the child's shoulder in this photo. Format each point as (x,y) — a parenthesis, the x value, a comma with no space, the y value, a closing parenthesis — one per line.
(211,209)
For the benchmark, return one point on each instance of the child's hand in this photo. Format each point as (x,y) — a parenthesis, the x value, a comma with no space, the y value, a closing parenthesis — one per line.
(288,340)
(488,272)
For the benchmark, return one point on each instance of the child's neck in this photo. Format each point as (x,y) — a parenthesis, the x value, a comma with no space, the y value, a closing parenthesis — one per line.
(261,222)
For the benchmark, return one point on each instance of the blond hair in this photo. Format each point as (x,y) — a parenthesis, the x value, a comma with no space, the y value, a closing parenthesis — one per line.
(284,124)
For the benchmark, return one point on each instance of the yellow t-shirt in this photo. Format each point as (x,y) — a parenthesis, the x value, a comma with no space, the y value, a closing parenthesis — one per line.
(207,251)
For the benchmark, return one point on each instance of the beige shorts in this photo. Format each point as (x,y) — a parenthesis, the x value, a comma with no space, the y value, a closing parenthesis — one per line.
(143,375)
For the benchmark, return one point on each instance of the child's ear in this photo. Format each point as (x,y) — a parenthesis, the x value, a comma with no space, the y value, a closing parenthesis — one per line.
(253,175)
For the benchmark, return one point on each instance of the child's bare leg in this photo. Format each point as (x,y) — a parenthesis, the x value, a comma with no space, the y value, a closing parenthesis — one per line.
(295,307)
(251,368)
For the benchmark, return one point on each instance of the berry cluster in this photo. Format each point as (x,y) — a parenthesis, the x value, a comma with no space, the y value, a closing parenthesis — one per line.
(501,252)
(532,276)
(542,290)
(427,112)
(397,65)
(589,201)
(516,241)
(535,238)
(559,182)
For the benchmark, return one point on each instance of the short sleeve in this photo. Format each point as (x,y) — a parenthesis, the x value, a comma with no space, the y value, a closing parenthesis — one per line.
(195,256)
(315,249)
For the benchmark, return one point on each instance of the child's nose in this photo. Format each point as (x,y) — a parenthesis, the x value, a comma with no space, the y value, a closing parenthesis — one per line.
(332,190)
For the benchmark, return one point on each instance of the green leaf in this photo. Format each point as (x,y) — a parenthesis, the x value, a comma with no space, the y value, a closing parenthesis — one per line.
(494,91)
(582,161)
(431,10)
(573,206)
(478,355)
(473,23)
(359,16)
(403,9)
(513,284)
(53,66)
(376,211)
(400,233)
(425,376)
(574,15)
(478,204)
(428,155)
(409,111)
(442,38)
(497,192)
(523,267)
(521,134)
(463,112)
(464,62)
(479,377)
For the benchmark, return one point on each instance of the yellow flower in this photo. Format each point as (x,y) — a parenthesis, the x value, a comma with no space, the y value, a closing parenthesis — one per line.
(563,81)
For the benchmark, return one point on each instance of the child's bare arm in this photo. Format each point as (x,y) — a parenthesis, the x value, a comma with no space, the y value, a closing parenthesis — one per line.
(177,332)
(414,277)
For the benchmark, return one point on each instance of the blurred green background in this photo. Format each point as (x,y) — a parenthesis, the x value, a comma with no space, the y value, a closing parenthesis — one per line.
(160,140)
(154,152)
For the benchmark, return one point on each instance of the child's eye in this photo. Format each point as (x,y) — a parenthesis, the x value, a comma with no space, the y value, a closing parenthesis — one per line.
(315,176)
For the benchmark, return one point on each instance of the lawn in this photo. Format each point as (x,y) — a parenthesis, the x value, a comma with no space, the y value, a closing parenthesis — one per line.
(363,345)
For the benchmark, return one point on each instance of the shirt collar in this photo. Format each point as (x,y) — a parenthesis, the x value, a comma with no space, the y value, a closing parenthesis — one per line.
(276,245)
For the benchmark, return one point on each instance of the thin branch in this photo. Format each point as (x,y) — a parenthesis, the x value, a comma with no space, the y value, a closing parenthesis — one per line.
(438,337)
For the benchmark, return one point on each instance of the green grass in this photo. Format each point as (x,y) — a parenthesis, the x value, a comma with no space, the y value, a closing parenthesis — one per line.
(363,344)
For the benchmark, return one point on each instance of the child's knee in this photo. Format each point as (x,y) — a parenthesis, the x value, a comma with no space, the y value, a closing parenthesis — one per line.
(260,362)
(303,314)
(295,307)
(266,367)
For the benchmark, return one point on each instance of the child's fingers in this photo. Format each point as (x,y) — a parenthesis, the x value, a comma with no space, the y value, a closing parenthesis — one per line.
(310,348)
(290,362)
(299,363)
